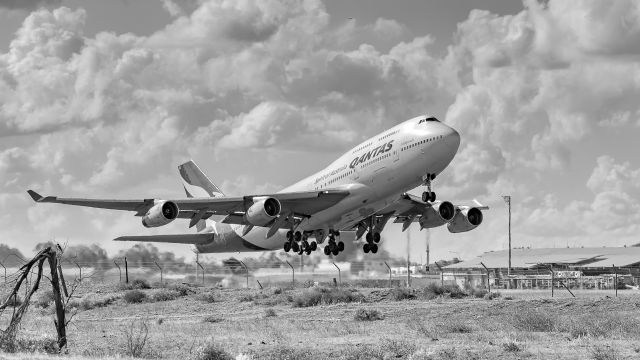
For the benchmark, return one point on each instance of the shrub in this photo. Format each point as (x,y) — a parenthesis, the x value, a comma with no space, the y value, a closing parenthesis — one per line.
(478,292)
(270,313)
(134,296)
(277,291)
(322,295)
(164,295)
(534,321)
(402,293)
(212,319)
(181,289)
(136,338)
(15,301)
(492,295)
(511,347)
(140,284)
(459,328)
(246,298)
(91,302)
(368,315)
(434,290)
(22,345)
(44,298)
(604,353)
(213,351)
(207,297)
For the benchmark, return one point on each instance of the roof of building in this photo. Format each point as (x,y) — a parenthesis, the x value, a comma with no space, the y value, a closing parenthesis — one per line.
(577,257)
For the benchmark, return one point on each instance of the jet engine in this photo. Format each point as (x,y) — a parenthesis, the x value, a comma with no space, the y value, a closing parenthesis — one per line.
(263,211)
(162,213)
(439,214)
(465,220)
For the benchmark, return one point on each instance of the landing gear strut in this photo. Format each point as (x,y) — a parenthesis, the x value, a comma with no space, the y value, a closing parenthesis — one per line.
(428,196)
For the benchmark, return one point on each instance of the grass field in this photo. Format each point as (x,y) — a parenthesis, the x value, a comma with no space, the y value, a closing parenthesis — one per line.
(343,323)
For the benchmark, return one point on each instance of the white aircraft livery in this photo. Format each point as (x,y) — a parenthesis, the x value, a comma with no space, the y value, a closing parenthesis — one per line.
(360,191)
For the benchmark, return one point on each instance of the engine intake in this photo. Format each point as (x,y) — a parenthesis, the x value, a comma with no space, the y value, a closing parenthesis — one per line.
(263,211)
(439,214)
(465,220)
(162,213)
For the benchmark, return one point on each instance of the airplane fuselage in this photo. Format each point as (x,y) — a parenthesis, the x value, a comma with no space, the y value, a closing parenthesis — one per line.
(376,173)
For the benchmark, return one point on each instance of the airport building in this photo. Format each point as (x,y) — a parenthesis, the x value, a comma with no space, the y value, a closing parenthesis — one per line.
(584,268)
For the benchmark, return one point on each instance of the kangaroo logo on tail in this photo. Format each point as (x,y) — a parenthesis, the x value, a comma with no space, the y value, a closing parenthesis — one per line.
(197,184)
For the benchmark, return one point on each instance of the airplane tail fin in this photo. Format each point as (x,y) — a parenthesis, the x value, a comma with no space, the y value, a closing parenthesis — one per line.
(197,184)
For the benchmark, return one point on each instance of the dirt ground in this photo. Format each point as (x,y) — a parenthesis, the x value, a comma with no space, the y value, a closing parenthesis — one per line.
(267,324)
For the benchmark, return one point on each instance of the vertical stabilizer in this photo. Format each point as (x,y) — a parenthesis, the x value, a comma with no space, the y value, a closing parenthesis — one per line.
(197,184)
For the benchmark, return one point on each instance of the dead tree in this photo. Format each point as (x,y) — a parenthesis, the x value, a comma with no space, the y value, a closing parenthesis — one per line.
(48,254)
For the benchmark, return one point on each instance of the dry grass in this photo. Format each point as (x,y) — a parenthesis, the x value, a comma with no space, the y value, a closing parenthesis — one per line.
(445,327)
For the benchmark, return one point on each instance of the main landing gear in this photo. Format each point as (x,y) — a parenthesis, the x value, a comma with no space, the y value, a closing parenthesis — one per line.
(428,196)
(334,247)
(299,242)
(372,238)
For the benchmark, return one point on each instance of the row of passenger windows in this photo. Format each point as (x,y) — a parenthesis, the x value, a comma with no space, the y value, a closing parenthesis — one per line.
(375,160)
(362,147)
(389,134)
(334,180)
(421,142)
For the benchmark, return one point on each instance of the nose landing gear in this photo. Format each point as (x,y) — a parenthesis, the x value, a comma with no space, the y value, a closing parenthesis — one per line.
(428,196)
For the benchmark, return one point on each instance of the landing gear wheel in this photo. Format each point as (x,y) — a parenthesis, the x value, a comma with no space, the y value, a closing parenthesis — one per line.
(340,246)
(289,235)
(295,247)
(308,251)
(287,246)
(314,246)
(327,251)
(305,244)
(376,237)
(366,247)
(374,248)
(426,196)
(335,251)
(432,198)
(369,237)
(301,251)
(297,236)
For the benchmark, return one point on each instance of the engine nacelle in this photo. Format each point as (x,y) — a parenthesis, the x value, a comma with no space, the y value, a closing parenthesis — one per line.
(162,213)
(263,211)
(465,220)
(438,215)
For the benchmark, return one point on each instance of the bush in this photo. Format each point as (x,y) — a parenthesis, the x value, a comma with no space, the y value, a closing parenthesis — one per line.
(212,319)
(368,315)
(322,295)
(42,345)
(134,296)
(44,298)
(207,297)
(492,295)
(270,313)
(213,351)
(164,295)
(181,289)
(140,284)
(14,301)
(246,298)
(402,293)
(511,347)
(136,337)
(91,302)
(435,290)
(459,328)
(478,292)
(533,321)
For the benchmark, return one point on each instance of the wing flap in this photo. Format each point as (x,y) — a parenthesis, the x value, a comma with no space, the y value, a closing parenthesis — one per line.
(193,239)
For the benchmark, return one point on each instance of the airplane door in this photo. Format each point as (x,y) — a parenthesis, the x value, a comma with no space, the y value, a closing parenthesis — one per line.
(396,155)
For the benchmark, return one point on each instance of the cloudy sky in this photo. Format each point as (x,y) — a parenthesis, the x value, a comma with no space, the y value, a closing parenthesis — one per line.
(105,98)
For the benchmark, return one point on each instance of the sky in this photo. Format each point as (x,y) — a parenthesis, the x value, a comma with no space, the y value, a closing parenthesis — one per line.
(106,98)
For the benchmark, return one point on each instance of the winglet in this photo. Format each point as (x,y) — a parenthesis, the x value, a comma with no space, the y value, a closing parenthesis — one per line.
(35,196)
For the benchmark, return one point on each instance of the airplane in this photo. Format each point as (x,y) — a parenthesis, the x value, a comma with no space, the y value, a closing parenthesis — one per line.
(359,192)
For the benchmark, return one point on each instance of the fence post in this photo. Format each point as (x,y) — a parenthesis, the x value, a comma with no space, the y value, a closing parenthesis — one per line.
(246,272)
(119,271)
(552,278)
(126,270)
(488,277)
(441,274)
(5,272)
(159,267)
(389,267)
(615,282)
(293,273)
(201,267)
(339,273)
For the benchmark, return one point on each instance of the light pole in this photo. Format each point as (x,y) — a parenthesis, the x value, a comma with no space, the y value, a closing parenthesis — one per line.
(507,200)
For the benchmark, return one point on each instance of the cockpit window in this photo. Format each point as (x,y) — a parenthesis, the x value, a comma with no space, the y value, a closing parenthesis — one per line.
(431,119)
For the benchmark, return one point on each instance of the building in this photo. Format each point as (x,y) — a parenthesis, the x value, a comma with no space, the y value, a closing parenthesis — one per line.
(531,268)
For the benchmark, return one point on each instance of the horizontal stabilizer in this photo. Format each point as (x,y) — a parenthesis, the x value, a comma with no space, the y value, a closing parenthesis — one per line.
(194,239)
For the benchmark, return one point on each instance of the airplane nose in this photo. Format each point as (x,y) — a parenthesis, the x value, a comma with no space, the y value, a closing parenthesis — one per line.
(453,139)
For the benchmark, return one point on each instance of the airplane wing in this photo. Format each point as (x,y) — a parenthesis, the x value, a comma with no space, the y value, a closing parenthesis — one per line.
(195,239)
(305,203)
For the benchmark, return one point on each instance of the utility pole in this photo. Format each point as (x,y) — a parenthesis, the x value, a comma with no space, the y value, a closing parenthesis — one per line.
(428,245)
(507,200)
